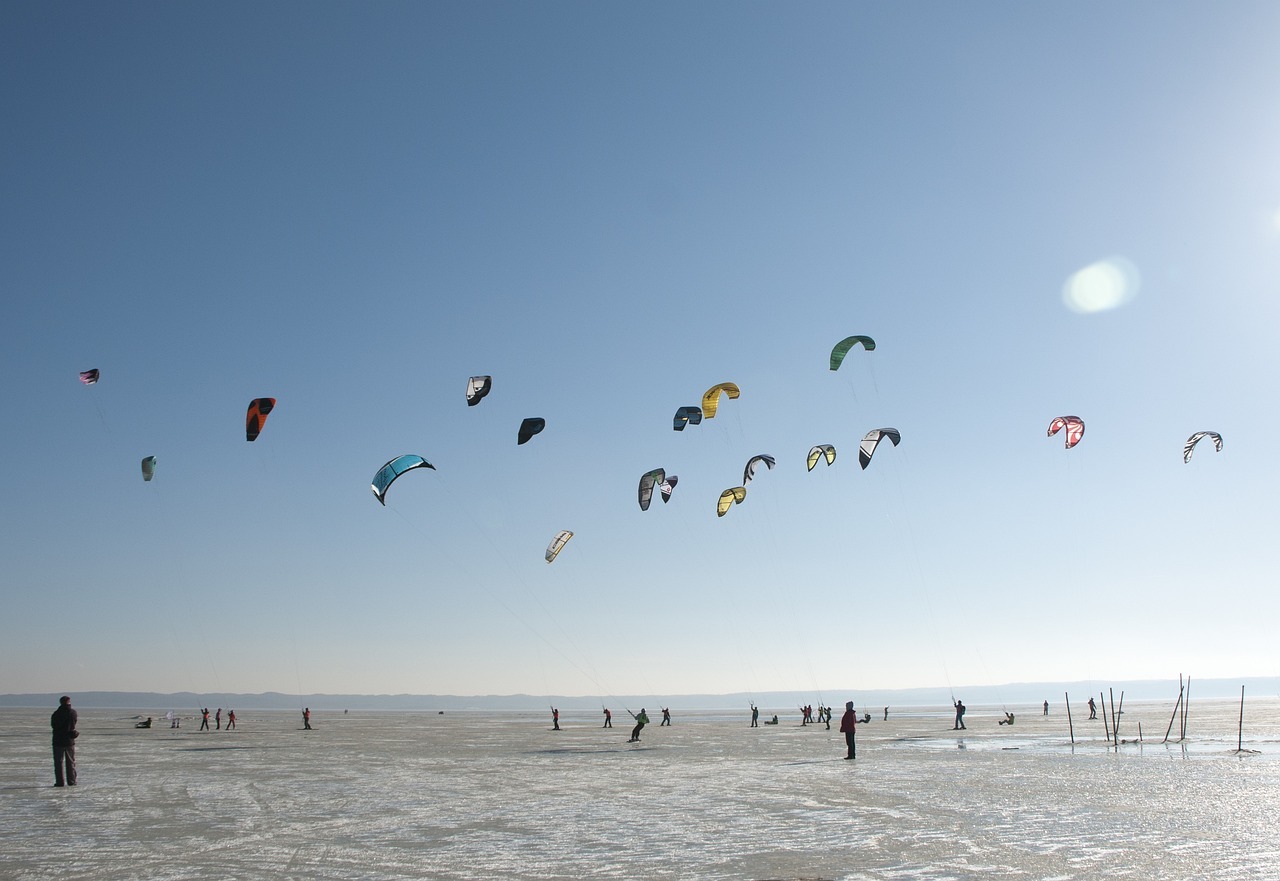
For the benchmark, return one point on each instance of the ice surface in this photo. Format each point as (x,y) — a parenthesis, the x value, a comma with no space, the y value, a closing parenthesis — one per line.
(470,795)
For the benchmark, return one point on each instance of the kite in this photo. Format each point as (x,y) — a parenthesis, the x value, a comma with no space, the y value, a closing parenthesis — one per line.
(648,480)
(711,399)
(686,416)
(89,377)
(872,440)
(1190,445)
(388,473)
(1073,425)
(148,467)
(755,462)
(819,452)
(477,388)
(730,497)
(842,348)
(666,487)
(259,409)
(562,537)
(529,428)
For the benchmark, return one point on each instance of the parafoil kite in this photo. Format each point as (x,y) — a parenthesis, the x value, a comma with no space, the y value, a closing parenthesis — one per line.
(668,486)
(842,348)
(1190,445)
(869,443)
(89,377)
(820,451)
(711,399)
(477,388)
(686,416)
(529,428)
(1074,429)
(647,482)
(562,537)
(755,462)
(259,409)
(148,467)
(730,497)
(388,473)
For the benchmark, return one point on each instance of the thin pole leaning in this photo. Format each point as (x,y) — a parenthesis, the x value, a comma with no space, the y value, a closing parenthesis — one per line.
(1102,697)
(1119,713)
(1186,709)
(1240,730)
(1176,707)
(1071,728)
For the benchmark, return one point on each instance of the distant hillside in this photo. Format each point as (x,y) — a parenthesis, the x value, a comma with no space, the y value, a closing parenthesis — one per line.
(1010,695)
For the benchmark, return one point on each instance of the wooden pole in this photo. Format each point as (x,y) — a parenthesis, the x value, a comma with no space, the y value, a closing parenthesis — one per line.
(1240,730)
(1176,707)
(1119,713)
(1139,732)
(1115,719)
(1071,728)
(1186,709)
(1102,697)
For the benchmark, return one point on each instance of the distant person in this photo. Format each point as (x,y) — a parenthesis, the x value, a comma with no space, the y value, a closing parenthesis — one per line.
(1093,709)
(306,718)
(217,718)
(642,719)
(1046,708)
(231,719)
(555,719)
(1008,718)
(145,723)
(755,716)
(849,728)
(866,717)
(959,726)
(175,721)
(204,719)
(608,718)
(826,711)
(773,721)
(886,714)
(63,723)
(666,717)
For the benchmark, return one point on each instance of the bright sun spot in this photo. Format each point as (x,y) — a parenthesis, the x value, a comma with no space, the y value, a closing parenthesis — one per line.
(1101,286)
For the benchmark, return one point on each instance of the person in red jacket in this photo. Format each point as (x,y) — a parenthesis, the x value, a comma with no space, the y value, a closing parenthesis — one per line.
(848,726)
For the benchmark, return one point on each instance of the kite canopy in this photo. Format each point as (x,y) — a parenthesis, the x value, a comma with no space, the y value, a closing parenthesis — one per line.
(755,462)
(1190,445)
(148,467)
(666,487)
(477,388)
(647,482)
(711,399)
(259,409)
(1074,429)
(529,428)
(89,377)
(867,448)
(842,348)
(686,416)
(388,473)
(821,451)
(730,497)
(562,537)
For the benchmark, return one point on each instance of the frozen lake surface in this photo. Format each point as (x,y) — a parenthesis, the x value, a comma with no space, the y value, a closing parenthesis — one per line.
(470,795)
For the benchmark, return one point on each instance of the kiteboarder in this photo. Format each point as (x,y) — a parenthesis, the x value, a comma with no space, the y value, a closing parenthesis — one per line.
(145,723)
(608,718)
(755,716)
(849,727)
(1046,708)
(666,717)
(204,719)
(642,719)
(231,719)
(886,714)
(63,722)
(959,717)
(1008,718)
(1093,709)
(555,719)
(306,718)
(217,718)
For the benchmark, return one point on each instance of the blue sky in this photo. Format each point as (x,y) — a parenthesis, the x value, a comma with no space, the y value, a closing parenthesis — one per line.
(610,208)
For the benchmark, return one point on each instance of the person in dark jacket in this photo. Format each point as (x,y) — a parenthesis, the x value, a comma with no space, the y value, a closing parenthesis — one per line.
(63,722)
(849,726)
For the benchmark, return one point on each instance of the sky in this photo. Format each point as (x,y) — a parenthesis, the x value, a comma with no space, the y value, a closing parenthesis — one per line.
(1034,209)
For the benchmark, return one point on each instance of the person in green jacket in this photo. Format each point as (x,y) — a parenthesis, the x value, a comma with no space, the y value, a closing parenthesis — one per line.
(642,719)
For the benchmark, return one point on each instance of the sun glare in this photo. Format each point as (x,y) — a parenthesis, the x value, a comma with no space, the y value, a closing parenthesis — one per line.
(1100,286)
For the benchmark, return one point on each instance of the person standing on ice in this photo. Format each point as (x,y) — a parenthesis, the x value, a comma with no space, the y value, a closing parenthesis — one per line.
(217,717)
(555,719)
(959,726)
(608,719)
(1093,709)
(204,719)
(849,728)
(666,717)
(231,719)
(63,723)
(306,718)
(755,716)
(642,719)
(1046,708)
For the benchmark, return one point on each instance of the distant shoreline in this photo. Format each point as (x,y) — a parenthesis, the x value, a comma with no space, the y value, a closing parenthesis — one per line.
(1011,695)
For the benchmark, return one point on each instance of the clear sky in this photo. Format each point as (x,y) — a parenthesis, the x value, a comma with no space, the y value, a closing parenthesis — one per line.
(353,207)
